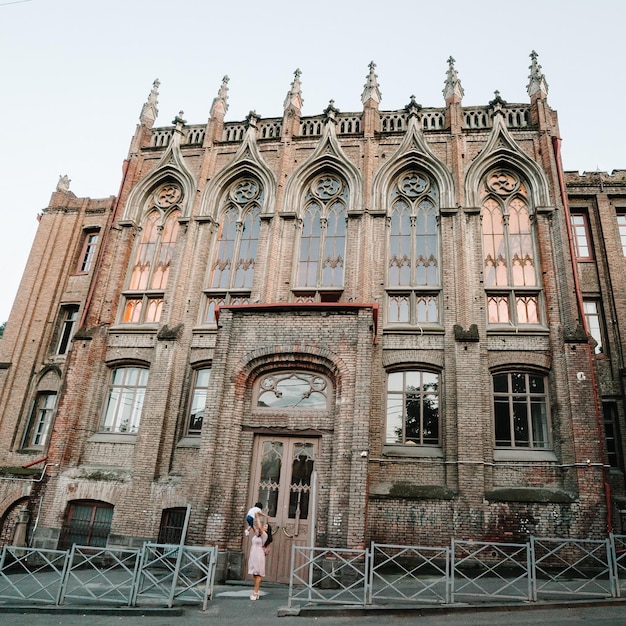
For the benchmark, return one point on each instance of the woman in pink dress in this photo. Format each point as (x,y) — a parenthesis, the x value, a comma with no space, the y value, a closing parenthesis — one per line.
(256,559)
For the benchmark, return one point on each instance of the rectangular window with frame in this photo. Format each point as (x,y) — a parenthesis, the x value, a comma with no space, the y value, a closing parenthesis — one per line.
(611,433)
(69,317)
(88,252)
(172,525)
(520,410)
(412,408)
(39,425)
(124,405)
(197,404)
(581,235)
(621,225)
(595,323)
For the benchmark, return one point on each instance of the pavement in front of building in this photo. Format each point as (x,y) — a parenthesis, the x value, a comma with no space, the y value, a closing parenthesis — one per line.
(231,605)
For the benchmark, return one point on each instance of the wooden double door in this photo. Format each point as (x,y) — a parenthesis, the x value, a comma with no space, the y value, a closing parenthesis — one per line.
(282,480)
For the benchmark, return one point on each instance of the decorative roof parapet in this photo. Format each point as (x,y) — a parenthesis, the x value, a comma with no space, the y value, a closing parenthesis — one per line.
(371,90)
(537,82)
(150,111)
(452,87)
(293,101)
(220,102)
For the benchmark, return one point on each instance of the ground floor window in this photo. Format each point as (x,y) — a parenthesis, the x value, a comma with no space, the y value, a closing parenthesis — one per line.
(87,523)
(412,408)
(172,525)
(520,410)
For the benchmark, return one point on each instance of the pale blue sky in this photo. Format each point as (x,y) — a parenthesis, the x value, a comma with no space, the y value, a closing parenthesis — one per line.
(75,73)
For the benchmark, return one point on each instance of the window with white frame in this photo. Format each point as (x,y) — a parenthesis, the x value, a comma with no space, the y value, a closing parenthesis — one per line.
(88,252)
(581,235)
(595,323)
(144,297)
(413,281)
(40,423)
(621,225)
(69,318)
(413,408)
(197,403)
(509,251)
(232,269)
(124,404)
(520,401)
(321,258)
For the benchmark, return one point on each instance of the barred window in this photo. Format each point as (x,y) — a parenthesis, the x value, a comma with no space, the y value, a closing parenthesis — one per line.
(86,523)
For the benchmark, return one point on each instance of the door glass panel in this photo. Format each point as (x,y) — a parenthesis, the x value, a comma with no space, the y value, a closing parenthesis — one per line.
(269,485)
(300,486)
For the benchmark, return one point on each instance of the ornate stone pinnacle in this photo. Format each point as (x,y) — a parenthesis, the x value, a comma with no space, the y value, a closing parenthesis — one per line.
(371,90)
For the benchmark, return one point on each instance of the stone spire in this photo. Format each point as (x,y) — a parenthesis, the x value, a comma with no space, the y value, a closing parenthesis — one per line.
(452,86)
(220,103)
(150,111)
(371,90)
(537,81)
(293,101)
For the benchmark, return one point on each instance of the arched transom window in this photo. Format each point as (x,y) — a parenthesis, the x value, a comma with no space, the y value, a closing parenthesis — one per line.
(232,268)
(150,270)
(413,281)
(293,390)
(509,251)
(321,262)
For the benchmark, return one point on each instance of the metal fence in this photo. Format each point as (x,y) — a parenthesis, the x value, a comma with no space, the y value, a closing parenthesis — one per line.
(542,568)
(89,575)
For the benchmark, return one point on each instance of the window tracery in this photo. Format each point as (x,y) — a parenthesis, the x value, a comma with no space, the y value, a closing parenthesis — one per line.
(232,269)
(510,261)
(153,258)
(413,282)
(293,389)
(322,253)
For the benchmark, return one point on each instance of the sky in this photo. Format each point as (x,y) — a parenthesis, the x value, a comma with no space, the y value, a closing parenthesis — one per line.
(74,75)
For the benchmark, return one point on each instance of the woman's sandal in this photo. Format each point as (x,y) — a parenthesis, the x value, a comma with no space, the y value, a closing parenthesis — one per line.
(254,596)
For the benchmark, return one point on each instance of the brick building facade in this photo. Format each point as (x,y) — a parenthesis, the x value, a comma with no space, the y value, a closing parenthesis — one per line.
(369,321)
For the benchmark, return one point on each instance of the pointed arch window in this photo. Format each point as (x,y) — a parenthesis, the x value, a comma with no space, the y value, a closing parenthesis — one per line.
(413,277)
(232,270)
(509,251)
(322,252)
(150,270)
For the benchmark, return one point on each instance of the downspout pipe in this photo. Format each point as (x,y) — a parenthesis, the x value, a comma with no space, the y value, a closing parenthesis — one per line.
(556,146)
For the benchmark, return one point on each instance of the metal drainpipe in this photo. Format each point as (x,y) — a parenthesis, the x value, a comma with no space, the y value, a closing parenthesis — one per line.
(556,145)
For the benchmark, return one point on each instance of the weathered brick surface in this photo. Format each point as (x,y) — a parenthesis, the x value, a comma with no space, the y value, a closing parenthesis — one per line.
(366,492)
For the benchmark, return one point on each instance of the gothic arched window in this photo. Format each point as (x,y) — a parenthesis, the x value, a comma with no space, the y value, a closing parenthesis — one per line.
(232,269)
(413,282)
(153,257)
(322,253)
(509,251)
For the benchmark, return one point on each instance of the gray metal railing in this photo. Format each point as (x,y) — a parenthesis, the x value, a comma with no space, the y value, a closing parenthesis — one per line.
(409,574)
(121,576)
(573,567)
